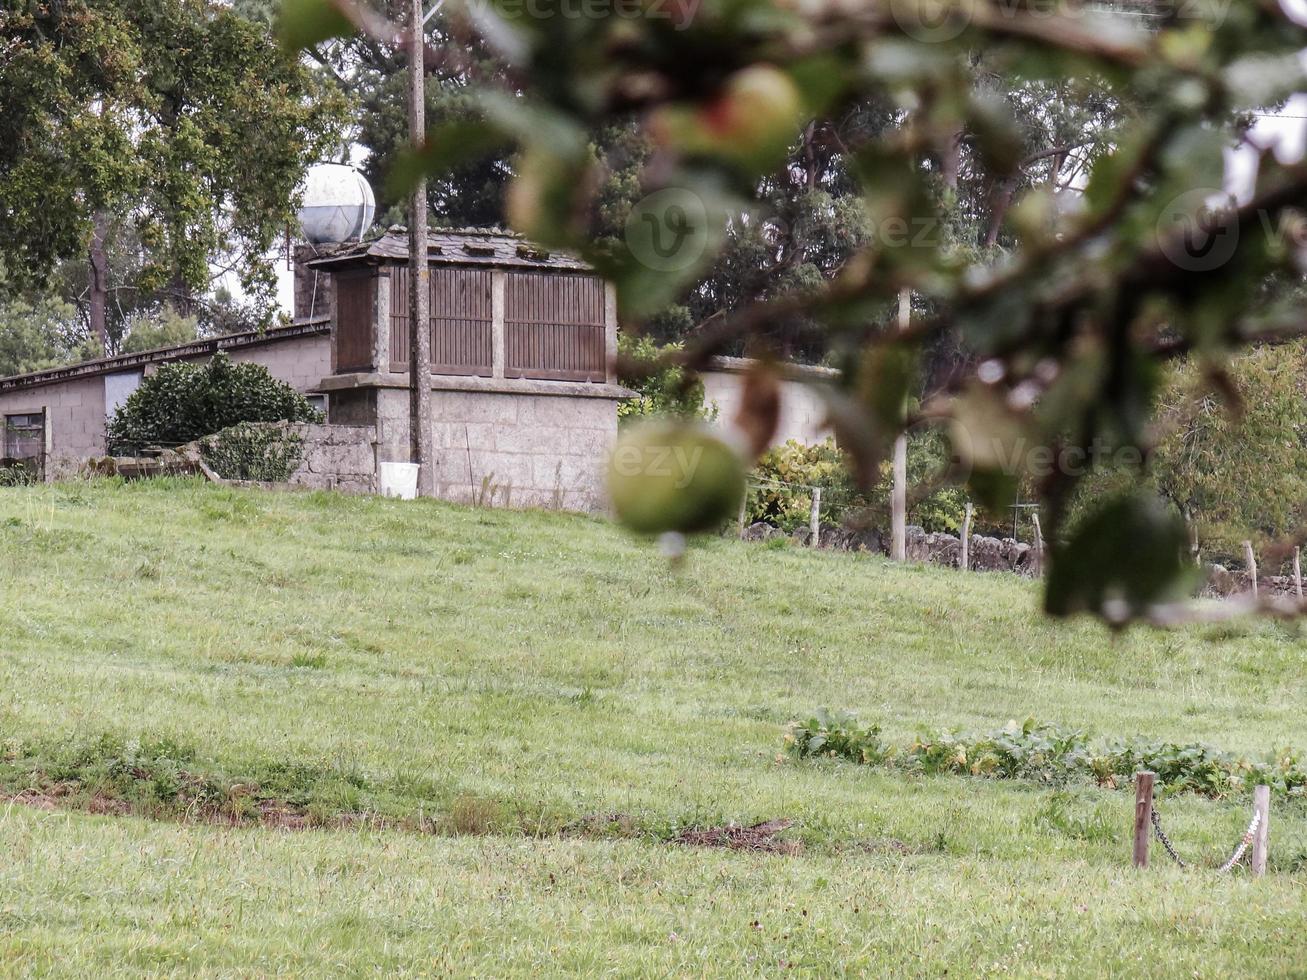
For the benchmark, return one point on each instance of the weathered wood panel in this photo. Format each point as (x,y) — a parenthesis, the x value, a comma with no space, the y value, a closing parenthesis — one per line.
(460,323)
(554,327)
(354,321)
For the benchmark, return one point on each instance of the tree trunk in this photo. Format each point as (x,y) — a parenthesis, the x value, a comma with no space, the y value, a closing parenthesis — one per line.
(99,282)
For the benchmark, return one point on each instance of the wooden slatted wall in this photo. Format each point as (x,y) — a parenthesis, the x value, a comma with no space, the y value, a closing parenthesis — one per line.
(554,327)
(460,323)
(354,321)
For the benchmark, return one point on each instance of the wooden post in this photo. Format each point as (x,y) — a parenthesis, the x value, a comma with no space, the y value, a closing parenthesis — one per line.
(1143,817)
(1251,561)
(1038,545)
(814,519)
(1297,572)
(744,502)
(965,562)
(1262,806)
(421,432)
(898,505)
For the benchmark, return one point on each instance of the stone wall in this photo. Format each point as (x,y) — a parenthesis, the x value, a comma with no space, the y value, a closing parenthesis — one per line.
(987,554)
(501,449)
(337,457)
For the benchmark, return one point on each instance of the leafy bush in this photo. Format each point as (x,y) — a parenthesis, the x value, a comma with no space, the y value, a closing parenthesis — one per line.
(1048,754)
(183,402)
(663,392)
(780,494)
(248,451)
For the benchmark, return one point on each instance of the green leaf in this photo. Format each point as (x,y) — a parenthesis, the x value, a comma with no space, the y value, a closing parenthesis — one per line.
(446,147)
(304,23)
(1124,558)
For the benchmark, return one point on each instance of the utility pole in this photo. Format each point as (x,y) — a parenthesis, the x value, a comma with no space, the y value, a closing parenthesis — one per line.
(898,550)
(421,442)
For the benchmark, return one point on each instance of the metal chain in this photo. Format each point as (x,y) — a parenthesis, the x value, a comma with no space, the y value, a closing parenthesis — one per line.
(1235,858)
(1166,841)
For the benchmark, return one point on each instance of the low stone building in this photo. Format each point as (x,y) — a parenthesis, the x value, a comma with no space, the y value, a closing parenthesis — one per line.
(54,419)
(524,398)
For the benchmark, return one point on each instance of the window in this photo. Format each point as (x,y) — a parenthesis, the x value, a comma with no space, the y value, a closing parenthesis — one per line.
(25,442)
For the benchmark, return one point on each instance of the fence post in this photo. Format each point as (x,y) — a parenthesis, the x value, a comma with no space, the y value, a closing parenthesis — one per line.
(744,501)
(1297,572)
(814,520)
(1039,545)
(1143,816)
(1251,561)
(965,562)
(1262,806)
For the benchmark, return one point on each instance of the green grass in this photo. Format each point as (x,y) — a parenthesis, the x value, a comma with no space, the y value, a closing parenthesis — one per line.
(508,675)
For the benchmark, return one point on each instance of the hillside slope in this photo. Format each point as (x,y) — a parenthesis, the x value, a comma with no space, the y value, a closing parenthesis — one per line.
(556,703)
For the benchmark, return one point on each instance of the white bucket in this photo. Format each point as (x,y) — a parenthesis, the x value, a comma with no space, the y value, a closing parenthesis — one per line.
(398,480)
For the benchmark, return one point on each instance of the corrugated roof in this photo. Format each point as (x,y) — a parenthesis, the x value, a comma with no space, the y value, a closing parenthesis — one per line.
(454,246)
(193,348)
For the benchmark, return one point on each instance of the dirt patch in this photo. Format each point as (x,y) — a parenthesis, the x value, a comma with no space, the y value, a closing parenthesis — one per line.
(760,837)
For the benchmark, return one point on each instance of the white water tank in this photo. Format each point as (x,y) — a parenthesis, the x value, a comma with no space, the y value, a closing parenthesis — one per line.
(338,204)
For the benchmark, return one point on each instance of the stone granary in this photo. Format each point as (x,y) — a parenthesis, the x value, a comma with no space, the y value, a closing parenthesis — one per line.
(524,397)
(523,347)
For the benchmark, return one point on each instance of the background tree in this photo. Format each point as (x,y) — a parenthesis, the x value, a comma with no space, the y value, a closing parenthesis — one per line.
(192,129)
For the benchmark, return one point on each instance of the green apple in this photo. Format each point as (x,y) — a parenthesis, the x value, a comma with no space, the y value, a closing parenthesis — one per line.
(674,476)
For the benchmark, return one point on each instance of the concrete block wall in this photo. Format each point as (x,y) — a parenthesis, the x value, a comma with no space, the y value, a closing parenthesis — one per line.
(301,362)
(510,450)
(74,420)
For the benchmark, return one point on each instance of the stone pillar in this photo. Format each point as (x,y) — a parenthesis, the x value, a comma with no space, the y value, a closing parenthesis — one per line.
(497,280)
(610,333)
(381,323)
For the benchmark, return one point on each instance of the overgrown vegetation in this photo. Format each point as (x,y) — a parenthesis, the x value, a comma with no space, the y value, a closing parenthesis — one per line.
(181,402)
(1045,753)
(253,451)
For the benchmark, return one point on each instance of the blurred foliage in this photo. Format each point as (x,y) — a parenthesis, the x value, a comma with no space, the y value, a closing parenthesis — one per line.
(1235,472)
(662,389)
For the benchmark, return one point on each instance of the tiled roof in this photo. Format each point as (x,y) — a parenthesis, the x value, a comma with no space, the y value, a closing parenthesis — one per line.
(453,246)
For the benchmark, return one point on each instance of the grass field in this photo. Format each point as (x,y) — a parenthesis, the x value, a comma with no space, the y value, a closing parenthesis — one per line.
(495,722)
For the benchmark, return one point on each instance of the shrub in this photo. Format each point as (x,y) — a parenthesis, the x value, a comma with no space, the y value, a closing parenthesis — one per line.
(1048,754)
(665,392)
(779,493)
(247,451)
(183,402)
